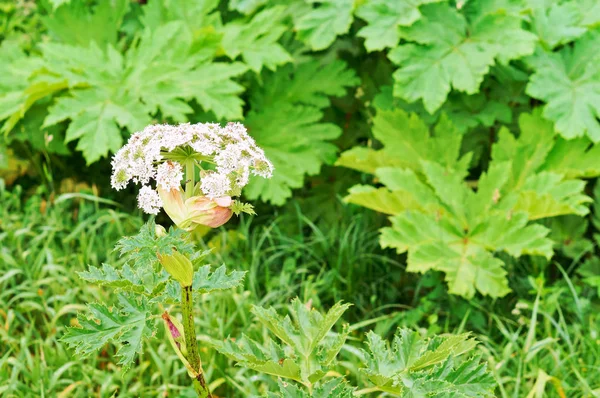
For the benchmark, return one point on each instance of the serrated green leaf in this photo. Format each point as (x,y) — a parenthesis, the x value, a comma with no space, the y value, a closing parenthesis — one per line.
(319,27)
(126,324)
(415,366)
(383,19)
(295,142)
(334,388)
(246,6)
(140,250)
(256,40)
(206,281)
(285,122)
(443,223)
(557,23)
(128,280)
(270,359)
(449,53)
(75,22)
(110,91)
(569,82)
(380,199)
(367,160)
(309,83)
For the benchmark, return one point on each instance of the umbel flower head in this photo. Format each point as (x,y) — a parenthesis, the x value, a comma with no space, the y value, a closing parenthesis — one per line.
(161,156)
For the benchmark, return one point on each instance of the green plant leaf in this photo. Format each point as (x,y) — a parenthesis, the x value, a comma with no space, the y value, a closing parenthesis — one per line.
(110,91)
(139,280)
(296,142)
(319,27)
(270,359)
(206,281)
(569,82)
(311,347)
(127,324)
(256,40)
(140,250)
(557,23)
(75,22)
(442,222)
(449,52)
(334,388)
(308,83)
(384,18)
(416,366)
(285,121)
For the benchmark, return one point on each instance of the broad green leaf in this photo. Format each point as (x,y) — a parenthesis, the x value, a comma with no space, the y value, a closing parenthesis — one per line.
(319,27)
(407,134)
(309,83)
(256,40)
(296,142)
(548,195)
(75,22)
(97,116)
(246,6)
(447,224)
(367,160)
(110,91)
(447,52)
(569,82)
(381,199)
(285,120)
(126,324)
(557,23)
(383,19)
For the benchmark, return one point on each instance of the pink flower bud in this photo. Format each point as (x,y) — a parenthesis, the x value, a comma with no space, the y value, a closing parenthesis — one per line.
(197,210)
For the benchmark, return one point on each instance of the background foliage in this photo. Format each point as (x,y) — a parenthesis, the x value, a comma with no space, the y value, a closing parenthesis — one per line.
(465,131)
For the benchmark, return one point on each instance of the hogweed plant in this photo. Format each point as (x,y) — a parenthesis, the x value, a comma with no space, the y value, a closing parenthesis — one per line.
(193,172)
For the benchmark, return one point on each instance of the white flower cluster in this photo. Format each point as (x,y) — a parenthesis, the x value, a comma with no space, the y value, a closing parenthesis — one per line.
(232,152)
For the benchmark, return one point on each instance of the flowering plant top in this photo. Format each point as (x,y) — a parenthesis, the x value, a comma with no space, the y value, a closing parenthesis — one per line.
(222,157)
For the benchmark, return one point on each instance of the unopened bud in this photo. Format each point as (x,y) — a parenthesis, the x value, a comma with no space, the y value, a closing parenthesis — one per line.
(179,267)
(197,210)
(160,231)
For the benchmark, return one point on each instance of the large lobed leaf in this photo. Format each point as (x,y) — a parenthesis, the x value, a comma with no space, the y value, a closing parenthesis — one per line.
(447,50)
(442,223)
(110,91)
(569,82)
(285,120)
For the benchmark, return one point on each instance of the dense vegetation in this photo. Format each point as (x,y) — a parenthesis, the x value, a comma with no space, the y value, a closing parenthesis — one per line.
(435,166)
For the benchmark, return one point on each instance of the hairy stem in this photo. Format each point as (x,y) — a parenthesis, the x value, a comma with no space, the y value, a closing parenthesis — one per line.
(189,178)
(193,356)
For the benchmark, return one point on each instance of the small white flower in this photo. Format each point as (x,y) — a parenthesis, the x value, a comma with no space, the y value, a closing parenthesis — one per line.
(149,200)
(215,185)
(169,175)
(146,158)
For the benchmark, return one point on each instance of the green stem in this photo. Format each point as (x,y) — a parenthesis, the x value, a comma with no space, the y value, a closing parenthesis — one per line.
(189,178)
(193,356)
